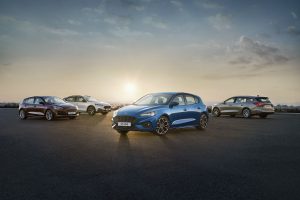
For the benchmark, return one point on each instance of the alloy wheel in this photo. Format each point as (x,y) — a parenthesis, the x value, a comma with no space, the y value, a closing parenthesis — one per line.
(246,113)
(203,121)
(91,110)
(216,112)
(22,114)
(162,126)
(49,115)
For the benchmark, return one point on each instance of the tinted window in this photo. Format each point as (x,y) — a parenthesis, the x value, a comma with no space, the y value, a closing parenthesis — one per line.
(54,100)
(29,101)
(240,100)
(179,99)
(38,100)
(231,100)
(190,99)
(154,99)
(71,99)
(80,99)
(263,99)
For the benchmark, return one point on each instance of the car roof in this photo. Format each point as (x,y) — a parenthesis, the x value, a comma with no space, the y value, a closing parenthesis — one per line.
(175,93)
(245,96)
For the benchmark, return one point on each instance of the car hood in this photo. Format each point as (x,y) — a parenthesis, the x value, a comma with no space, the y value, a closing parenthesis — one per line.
(101,102)
(132,110)
(65,105)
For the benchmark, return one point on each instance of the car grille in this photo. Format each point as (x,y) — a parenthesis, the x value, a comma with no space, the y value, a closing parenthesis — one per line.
(106,107)
(125,119)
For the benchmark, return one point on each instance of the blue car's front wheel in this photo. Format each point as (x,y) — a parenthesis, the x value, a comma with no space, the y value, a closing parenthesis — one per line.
(162,125)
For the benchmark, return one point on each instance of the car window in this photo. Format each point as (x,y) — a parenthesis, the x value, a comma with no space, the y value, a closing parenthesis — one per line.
(38,100)
(231,100)
(179,99)
(190,100)
(250,100)
(154,99)
(263,99)
(71,99)
(240,100)
(80,99)
(29,101)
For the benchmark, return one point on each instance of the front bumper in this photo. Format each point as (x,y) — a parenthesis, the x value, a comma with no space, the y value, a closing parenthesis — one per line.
(146,124)
(104,109)
(66,113)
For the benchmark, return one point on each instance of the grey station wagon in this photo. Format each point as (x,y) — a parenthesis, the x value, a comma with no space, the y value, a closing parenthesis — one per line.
(246,106)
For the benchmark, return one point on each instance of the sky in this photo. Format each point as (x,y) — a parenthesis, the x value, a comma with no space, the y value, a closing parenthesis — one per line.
(120,50)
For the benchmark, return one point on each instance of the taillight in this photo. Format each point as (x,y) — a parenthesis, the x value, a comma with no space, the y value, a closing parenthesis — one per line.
(259,104)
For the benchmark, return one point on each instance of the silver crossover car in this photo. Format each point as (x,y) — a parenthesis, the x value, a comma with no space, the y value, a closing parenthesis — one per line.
(245,106)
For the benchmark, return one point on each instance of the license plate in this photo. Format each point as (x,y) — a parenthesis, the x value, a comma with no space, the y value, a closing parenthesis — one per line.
(124,123)
(268,106)
(71,113)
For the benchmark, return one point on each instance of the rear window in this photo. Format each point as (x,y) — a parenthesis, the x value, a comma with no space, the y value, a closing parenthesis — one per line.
(263,100)
(28,101)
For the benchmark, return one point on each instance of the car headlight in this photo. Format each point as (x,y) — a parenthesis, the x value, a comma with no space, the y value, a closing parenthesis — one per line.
(57,107)
(115,113)
(76,107)
(148,114)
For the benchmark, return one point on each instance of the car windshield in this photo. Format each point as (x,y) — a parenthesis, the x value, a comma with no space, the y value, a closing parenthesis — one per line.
(154,99)
(263,99)
(54,100)
(89,98)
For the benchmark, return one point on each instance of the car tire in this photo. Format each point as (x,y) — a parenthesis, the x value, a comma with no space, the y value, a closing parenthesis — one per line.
(22,114)
(216,112)
(246,113)
(122,132)
(263,116)
(203,121)
(73,117)
(49,115)
(162,126)
(91,110)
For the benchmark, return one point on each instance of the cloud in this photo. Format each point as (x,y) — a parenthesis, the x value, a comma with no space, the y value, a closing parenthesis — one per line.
(118,20)
(248,52)
(220,21)
(210,5)
(155,23)
(29,27)
(293,30)
(74,22)
(294,15)
(177,4)
(136,5)
(127,32)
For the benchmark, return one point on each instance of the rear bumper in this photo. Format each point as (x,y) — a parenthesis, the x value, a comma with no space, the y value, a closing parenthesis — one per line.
(262,111)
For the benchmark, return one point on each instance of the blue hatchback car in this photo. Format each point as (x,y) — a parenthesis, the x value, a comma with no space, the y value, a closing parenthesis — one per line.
(158,112)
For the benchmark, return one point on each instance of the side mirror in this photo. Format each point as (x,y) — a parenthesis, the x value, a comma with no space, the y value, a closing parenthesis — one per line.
(172,104)
(224,102)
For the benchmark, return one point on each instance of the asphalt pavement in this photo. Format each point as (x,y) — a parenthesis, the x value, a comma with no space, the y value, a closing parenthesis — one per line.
(234,158)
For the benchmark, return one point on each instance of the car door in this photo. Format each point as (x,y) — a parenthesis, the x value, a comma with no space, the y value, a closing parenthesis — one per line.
(38,106)
(81,103)
(178,114)
(228,106)
(239,104)
(193,109)
(29,106)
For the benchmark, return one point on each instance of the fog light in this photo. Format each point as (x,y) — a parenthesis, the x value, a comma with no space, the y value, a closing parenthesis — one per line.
(146,124)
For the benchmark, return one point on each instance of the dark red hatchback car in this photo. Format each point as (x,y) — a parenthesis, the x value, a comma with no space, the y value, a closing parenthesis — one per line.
(48,106)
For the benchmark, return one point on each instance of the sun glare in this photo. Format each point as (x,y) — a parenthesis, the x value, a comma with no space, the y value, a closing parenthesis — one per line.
(130,88)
